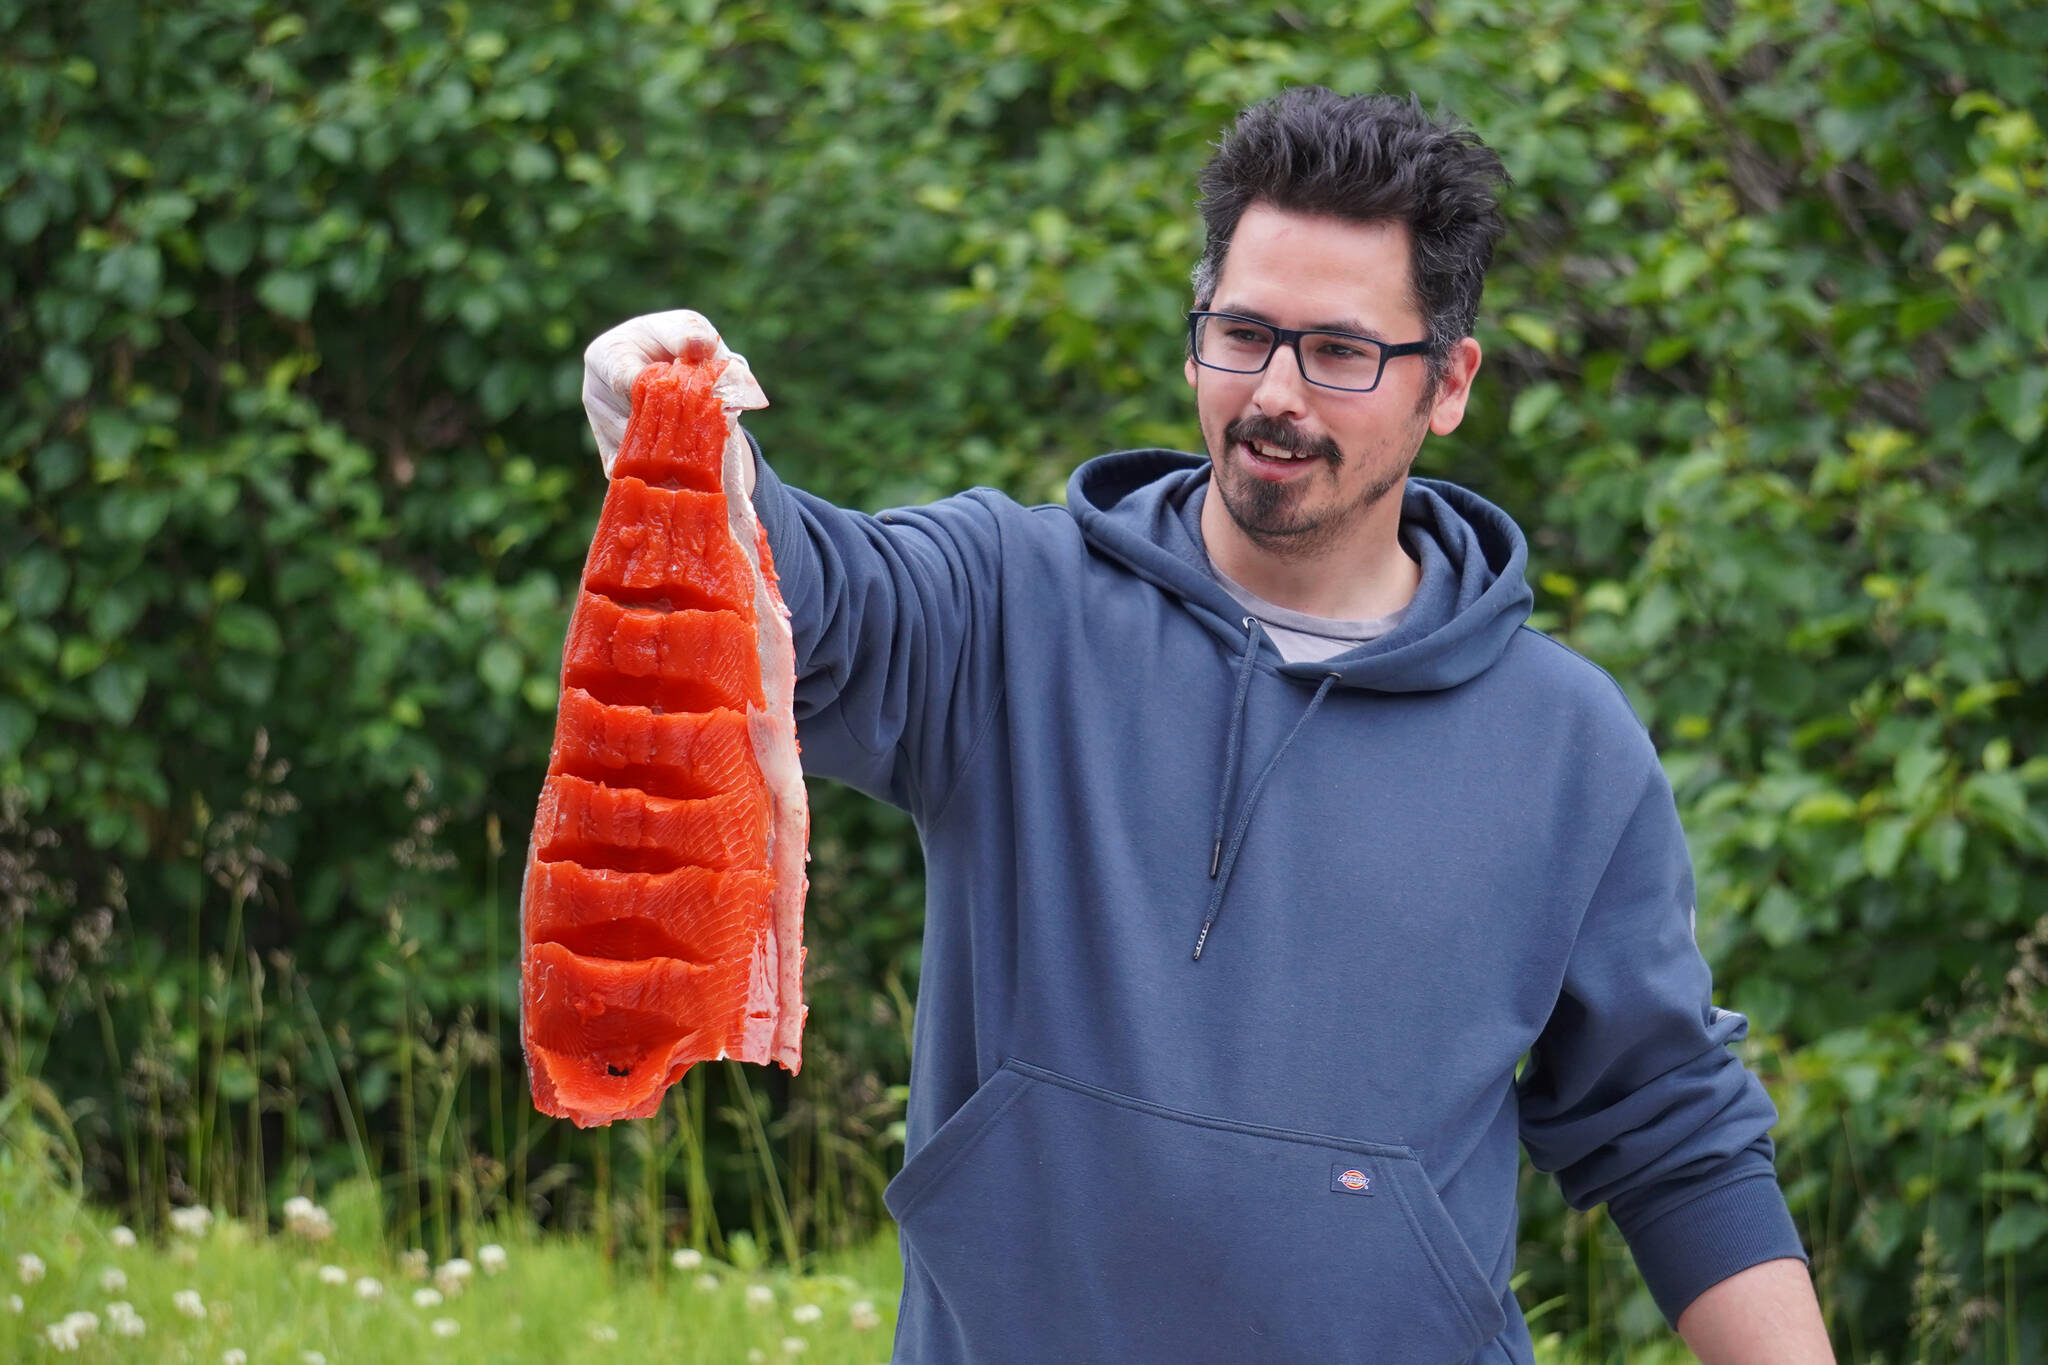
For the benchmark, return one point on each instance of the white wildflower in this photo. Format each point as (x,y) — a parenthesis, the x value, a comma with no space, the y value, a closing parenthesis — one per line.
(333,1274)
(794,1346)
(413,1264)
(82,1323)
(122,1237)
(491,1257)
(426,1298)
(445,1327)
(186,1301)
(30,1267)
(864,1316)
(122,1317)
(312,1358)
(113,1280)
(806,1313)
(706,1282)
(759,1296)
(686,1258)
(367,1288)
(304,1218)
(452,1275)
(61,1337)
(755,1355)
(234,1355)
(14,1304)
(604,1332)
(191,1221)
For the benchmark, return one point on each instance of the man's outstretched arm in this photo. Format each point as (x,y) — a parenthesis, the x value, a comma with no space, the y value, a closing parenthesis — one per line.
(1765,1315)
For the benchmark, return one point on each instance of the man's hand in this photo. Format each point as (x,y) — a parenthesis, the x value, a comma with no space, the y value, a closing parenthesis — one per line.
(1765,1315)
(613,361)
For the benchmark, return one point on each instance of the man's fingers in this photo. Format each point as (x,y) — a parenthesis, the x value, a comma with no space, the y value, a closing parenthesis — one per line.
(619,355)
(613,361)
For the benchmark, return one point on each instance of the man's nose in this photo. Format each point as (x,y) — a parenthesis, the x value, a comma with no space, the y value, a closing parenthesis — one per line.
(1282,392)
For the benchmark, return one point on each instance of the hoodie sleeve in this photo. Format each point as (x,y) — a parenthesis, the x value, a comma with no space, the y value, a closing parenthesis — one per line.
(1632,1095)
(892,617)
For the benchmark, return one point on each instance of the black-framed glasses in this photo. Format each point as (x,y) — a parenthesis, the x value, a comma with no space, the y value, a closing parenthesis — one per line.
(1330,360)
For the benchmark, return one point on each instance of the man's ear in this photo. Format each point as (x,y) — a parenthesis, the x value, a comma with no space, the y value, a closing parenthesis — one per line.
(1455,388)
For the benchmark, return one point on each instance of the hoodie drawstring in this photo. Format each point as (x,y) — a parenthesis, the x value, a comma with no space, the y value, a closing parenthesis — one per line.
(1234,742)
(1221,861)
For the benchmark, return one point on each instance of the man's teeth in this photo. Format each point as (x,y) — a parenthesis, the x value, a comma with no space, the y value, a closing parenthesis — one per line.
(1267,452)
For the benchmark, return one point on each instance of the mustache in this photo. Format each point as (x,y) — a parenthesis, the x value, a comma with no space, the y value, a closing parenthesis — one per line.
(1271,431)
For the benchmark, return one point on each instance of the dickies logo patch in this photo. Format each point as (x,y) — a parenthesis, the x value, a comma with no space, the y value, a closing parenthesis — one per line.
(1348,1179)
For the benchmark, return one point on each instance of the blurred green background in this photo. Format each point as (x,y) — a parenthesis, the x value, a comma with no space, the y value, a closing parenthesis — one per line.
(295,486)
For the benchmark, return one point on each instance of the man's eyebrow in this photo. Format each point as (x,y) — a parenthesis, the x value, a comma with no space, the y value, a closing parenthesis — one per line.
(1351,325)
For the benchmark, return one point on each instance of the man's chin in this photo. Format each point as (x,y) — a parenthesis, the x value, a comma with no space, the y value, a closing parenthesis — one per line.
(1268,514)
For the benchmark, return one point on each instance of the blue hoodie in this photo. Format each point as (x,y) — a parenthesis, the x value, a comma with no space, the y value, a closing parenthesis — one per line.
(1408,867)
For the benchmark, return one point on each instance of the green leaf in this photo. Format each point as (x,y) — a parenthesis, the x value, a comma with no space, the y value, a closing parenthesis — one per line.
(1941,847)
(1779,917)
(117,690)
(2020,401)
(530,162)
(241,626)
(230,244)
(79,657)
(541,693)
(1884,843)
(335,141)
(1531,329)
(2016,1230)
(1922,314)
(247,677)
(500,667)
(1914,769)
(69,372)
(237,1078)
(1680,269)
(289,292)
(17,727)
(115,436)
(23,216)
(1532,405)
(1667,350)
(58,465)
(1823,808)
(134,514)
(36,581)
(115,610)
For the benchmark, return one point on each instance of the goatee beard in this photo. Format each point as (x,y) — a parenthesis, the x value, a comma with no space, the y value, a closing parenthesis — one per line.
(1264,510)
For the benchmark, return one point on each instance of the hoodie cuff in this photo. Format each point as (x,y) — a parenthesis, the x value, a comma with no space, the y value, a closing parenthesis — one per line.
(1695,1246)
(770,502)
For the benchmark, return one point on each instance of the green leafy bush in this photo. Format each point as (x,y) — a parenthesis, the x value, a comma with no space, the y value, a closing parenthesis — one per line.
(291,466)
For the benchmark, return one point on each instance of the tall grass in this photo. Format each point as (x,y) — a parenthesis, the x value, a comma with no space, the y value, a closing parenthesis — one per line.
(228,1084)
(330,1289)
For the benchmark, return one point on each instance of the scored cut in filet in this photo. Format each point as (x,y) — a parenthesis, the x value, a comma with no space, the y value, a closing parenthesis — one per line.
(661,912)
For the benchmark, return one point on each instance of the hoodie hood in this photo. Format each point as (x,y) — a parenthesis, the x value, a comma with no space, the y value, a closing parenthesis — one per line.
(1137,507)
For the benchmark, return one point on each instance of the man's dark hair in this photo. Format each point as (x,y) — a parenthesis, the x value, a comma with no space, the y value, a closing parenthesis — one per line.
(1370,159)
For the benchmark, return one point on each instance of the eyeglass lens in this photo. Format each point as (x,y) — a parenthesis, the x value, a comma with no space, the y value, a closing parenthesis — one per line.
(1330,358)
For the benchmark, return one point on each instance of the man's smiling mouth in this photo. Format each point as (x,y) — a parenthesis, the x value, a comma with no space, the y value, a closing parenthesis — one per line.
(1267,452)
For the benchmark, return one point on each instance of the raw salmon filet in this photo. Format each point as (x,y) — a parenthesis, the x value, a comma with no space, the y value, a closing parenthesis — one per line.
(661,919)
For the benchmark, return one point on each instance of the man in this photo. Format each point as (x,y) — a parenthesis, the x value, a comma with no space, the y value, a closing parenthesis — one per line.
(1264,839)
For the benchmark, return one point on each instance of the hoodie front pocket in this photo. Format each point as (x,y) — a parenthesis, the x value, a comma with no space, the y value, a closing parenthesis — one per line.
(1057,1220)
